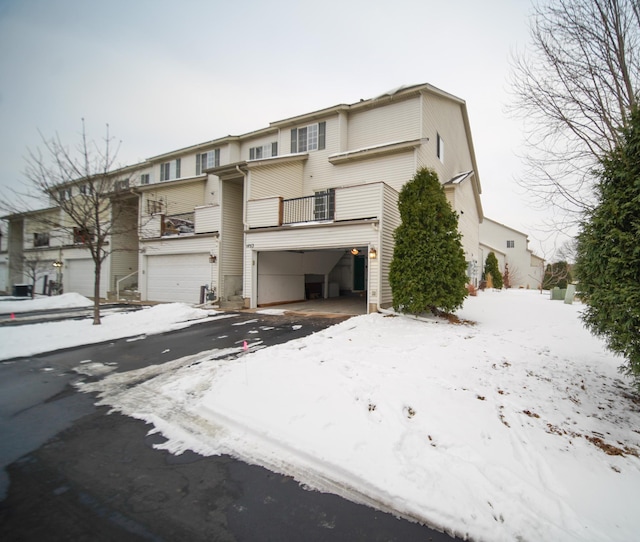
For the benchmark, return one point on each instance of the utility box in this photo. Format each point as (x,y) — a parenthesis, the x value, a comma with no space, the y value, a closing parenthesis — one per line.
(22,290)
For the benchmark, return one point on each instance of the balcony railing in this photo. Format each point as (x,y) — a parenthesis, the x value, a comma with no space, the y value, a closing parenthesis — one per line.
(319,207)
(341,204)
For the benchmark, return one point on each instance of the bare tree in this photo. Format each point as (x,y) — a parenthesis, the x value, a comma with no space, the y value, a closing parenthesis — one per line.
(574,89)
(89,199)
(32,267)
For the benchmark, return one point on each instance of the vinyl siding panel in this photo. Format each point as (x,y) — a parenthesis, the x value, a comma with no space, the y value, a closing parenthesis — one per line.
(264,212)
(390,221)
(394,170)
(394,122)
(358,202)
(176,199)
(231,239)
(207,219)
(277,180)
(444,117)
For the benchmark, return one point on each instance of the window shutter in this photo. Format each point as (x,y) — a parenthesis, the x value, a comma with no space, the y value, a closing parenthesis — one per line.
(216,159)
(294,140)
(252,153)
(177,168)
(322,129)
(274,148)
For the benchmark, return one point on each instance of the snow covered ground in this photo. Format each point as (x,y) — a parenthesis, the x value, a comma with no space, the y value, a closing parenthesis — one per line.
(17,341)
(517,427)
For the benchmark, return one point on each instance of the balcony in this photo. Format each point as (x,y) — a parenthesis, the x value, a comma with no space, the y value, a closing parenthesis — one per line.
(204,219)
(334,205)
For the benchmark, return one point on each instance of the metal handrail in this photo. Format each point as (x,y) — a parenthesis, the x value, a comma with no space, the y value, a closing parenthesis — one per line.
(120,280)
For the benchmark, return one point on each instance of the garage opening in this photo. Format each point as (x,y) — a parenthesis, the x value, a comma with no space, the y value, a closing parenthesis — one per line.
(325,278)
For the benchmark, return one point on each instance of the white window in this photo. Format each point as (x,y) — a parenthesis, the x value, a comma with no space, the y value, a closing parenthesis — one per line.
(324,205)
(440,148)
(309,138)
(263,151)
(511,244)
(84,189)
(145,178)
(207,160)
(170,170)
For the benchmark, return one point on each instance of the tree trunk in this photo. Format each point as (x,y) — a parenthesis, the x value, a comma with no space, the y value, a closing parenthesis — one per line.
(96,295)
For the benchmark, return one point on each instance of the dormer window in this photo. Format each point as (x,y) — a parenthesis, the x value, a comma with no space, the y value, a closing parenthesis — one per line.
(308,138)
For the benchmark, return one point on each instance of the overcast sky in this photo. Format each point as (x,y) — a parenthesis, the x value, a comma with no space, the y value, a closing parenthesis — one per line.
(165,74)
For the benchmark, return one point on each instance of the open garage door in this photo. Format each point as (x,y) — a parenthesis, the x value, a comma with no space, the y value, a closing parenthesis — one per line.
(79,276)
(177,277)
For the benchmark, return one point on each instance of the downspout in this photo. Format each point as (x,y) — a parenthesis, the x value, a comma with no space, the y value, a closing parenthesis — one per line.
(245,192)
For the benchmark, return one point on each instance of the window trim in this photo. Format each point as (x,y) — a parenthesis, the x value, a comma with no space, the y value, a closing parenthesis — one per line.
(440,147)
(169,168)
(207,160)
(312,137)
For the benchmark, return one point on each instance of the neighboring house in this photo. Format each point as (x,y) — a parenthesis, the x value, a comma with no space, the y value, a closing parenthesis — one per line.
(511,247)
(303,208)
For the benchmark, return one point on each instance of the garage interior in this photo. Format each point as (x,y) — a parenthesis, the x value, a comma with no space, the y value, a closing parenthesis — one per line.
(333,280)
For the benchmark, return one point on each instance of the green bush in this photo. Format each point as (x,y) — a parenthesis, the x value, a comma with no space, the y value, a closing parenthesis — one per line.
(428,270)
(608,260)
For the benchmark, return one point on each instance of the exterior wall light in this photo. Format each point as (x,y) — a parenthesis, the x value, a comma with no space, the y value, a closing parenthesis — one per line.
(354,251)
(213,258)
(373,254)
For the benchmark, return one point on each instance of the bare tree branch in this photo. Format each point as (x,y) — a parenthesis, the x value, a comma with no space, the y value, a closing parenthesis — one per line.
(574,90)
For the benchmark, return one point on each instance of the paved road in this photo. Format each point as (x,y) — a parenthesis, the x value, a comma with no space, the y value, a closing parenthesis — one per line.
(78,473)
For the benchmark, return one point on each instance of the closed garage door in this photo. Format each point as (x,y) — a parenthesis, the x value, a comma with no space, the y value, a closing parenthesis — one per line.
(79,277)
(177,277)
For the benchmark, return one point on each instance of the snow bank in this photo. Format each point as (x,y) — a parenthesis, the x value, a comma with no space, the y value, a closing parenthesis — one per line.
(18,341)
(64,301)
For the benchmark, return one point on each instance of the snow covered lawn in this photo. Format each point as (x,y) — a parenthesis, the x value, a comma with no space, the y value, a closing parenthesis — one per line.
(516,428)
(19,341)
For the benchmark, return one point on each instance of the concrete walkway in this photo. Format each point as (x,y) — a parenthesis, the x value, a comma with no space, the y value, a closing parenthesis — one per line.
(353,305)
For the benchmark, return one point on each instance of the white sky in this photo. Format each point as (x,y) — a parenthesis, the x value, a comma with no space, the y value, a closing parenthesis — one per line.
(166,75)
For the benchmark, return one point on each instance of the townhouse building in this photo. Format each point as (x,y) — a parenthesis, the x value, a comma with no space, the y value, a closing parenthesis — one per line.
(511,247)
(304,208)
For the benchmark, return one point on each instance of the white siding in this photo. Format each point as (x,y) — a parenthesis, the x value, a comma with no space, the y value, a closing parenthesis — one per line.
(176,198)
(445,118)
(231,239)
(207,219)
(277,179)
(390,221)
(264,212)
(358,202)
(394,170)
(398,121)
